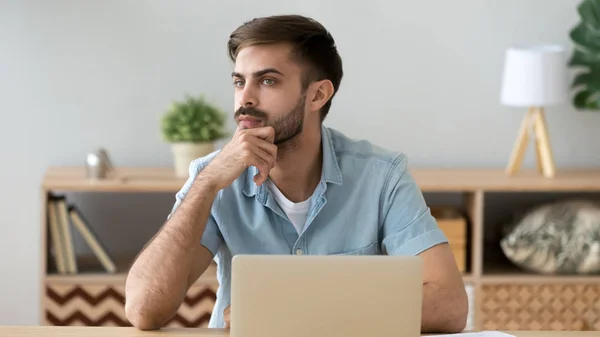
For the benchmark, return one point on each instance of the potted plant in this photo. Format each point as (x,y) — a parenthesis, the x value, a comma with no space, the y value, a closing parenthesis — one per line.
(586,54)
(192,126)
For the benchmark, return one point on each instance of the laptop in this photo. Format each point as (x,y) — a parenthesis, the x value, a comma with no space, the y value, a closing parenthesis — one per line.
(326,296)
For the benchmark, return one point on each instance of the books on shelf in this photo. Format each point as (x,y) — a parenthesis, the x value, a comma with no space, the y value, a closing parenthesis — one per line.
(62,218)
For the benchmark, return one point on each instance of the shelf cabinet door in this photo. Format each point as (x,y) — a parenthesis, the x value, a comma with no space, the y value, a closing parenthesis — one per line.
(540,306)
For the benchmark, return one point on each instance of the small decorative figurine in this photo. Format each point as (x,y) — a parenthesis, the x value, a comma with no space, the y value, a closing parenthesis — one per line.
(98,164)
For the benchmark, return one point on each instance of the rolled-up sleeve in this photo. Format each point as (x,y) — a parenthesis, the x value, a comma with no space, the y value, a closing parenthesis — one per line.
(211,238)
(408,226)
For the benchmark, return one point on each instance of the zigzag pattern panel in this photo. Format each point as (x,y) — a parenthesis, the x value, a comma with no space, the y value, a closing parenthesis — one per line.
(196,309)
(541,307)
(89,305)
(103,305)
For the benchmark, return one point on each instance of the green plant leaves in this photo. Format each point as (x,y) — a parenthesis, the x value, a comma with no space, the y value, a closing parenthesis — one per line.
(586,55)
(588,100)
(581,58)
(590,13)
(586,38)
(193,120)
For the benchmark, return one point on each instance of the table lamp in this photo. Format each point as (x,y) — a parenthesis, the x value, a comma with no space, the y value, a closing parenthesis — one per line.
(534,77)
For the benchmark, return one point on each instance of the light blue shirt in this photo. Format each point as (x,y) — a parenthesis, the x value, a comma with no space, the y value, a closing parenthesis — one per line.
(366,203)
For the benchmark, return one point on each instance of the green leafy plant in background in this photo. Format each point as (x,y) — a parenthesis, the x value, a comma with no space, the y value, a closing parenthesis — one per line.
(193,120)
(586,54)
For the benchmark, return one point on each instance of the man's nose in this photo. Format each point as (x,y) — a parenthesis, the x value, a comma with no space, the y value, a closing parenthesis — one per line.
(248,97)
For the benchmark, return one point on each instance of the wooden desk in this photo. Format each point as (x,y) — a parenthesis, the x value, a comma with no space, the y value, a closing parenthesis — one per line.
(76,331)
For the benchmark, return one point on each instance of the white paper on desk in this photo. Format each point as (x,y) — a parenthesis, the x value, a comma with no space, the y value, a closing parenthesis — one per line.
(477,334)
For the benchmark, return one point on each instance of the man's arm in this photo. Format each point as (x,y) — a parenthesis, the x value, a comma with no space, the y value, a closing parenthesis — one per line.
(184,247)
(410,229)
(171,262)
(445,302)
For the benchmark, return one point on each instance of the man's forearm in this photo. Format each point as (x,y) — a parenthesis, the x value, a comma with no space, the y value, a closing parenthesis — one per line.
(158,279)
(445,309)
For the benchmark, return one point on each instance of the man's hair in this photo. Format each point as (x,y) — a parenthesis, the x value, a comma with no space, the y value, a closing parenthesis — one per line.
(313,46)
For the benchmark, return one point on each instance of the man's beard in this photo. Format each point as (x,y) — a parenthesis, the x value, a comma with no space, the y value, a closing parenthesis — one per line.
(287,127)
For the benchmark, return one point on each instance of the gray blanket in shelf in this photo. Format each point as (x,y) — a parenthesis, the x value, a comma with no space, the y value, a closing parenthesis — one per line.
(560,237)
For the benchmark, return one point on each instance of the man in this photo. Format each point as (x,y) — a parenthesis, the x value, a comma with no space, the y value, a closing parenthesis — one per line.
(286,184)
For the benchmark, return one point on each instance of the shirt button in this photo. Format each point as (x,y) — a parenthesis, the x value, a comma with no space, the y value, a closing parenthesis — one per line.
(298,251)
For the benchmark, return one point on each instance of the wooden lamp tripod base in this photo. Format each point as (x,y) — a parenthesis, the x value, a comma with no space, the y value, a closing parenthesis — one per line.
(534,124)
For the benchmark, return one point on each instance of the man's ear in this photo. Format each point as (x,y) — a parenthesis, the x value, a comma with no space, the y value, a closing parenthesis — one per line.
(321,93)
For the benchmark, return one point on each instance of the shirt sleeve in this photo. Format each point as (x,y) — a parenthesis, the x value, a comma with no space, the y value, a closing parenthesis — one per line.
(408,226)
(211,238)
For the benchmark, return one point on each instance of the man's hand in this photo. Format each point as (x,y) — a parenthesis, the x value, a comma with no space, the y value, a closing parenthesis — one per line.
(248,147)
(227,317)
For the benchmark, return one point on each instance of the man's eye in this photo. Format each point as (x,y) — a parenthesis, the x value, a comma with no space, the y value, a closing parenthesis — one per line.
(268,81)
(238,83)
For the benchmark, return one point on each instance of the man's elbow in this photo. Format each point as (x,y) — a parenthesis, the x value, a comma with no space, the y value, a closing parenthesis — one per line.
(457,321)
(458,324)
(139,318)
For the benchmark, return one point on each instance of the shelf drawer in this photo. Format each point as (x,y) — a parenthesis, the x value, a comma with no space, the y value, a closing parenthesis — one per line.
(540,307)
(102,304)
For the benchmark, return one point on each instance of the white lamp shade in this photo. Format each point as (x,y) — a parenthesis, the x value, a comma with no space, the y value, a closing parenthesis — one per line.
(534,76)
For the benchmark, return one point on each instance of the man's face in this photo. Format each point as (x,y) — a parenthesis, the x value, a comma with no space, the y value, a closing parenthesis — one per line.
(268,91)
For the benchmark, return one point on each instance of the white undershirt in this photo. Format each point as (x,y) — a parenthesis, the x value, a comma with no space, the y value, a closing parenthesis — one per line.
(296,212)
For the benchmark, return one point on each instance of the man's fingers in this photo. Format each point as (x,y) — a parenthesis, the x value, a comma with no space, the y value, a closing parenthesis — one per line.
(261,159)
(263,173)
(265,132)
(270,135)
(258,156)
(267,151)
(269,148)
(260,152)
(266,157)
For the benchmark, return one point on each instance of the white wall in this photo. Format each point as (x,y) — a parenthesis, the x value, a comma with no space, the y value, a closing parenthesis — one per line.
(79,74)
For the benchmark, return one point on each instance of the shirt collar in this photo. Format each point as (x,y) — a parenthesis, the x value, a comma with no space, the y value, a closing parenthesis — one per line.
(330,172)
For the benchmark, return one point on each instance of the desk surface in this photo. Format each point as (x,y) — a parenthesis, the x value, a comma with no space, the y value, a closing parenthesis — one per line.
(75,331)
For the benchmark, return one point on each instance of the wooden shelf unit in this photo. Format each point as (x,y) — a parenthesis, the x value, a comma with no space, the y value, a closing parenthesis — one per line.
(489,279)
(93,296)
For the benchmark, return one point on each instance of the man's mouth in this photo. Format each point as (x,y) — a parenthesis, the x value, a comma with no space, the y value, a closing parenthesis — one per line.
(246,122)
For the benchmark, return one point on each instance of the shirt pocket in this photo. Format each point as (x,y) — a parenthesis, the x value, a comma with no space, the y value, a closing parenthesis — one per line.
(371,249)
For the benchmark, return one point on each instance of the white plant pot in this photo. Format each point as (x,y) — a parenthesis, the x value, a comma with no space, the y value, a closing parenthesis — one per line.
(184,153)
